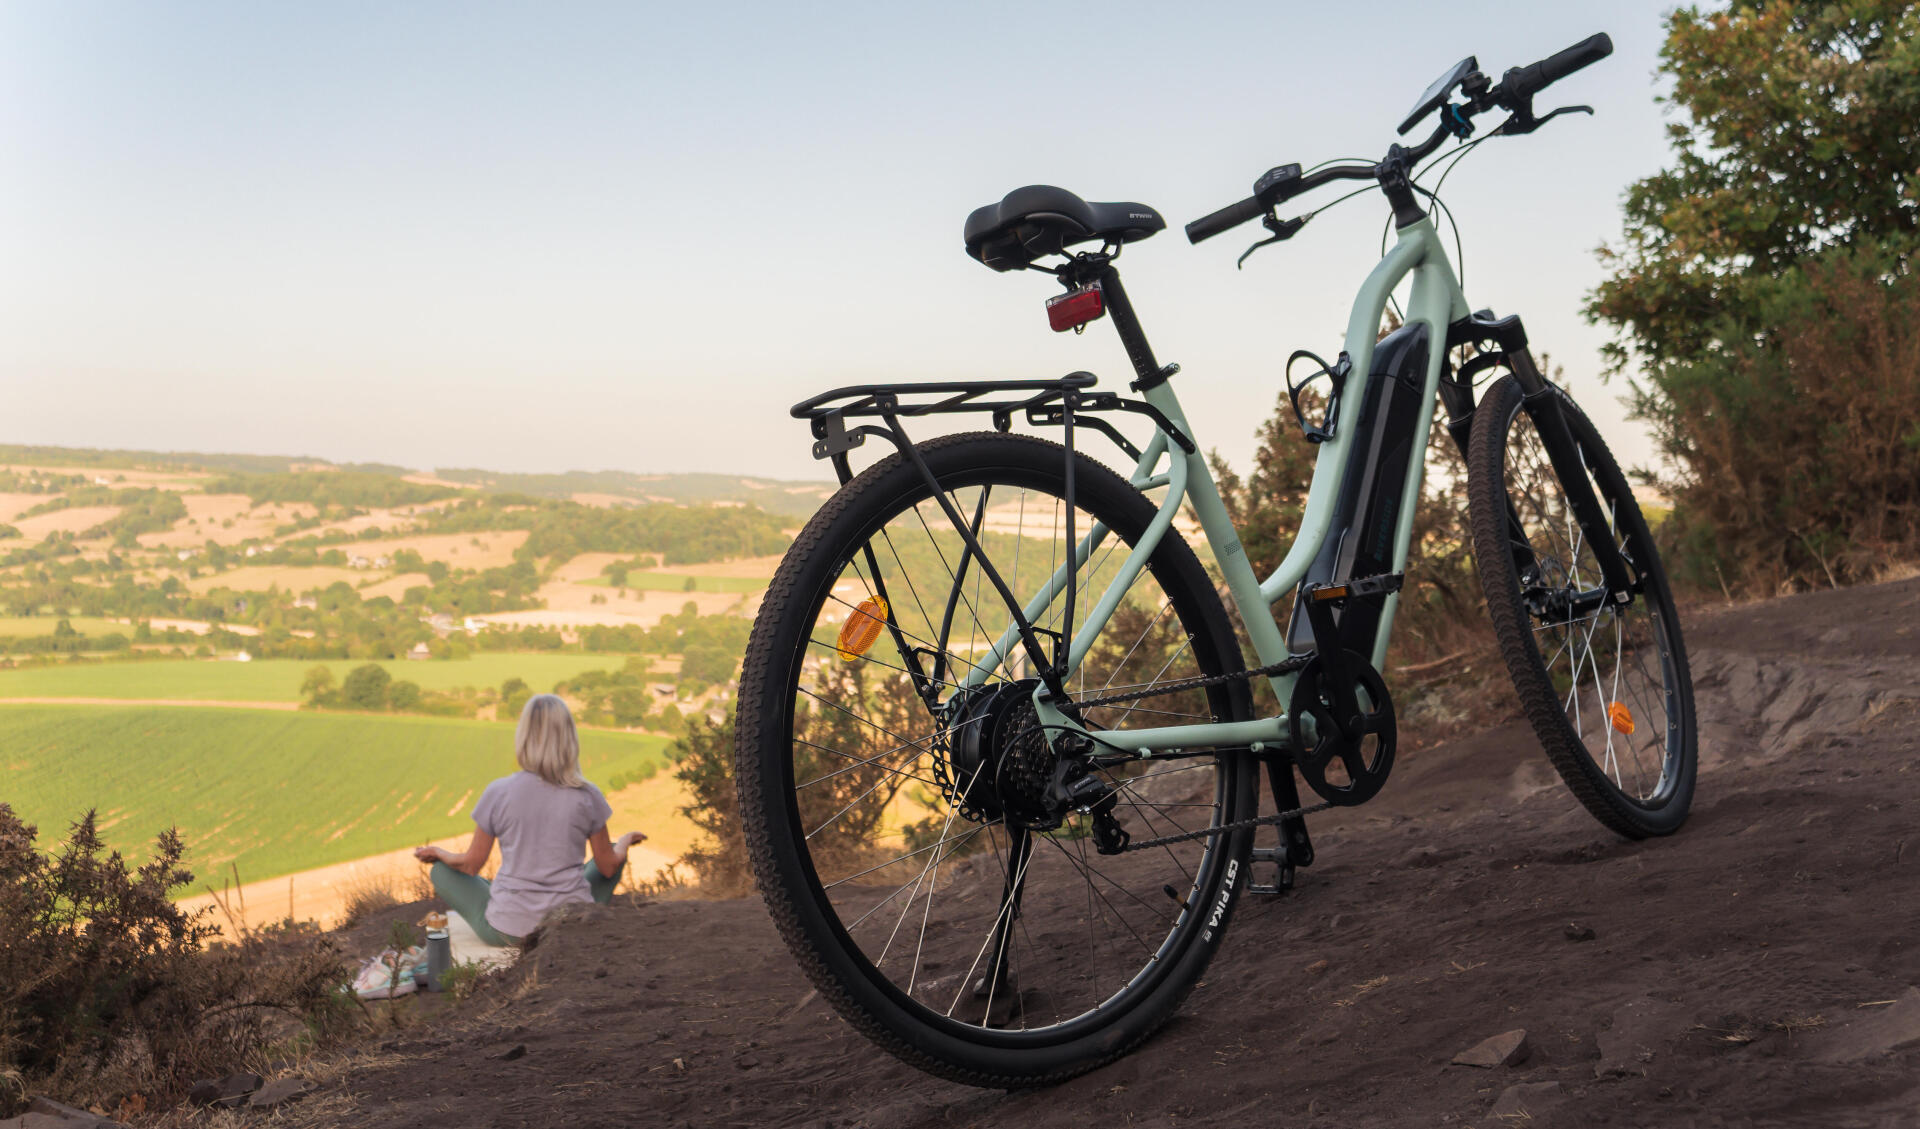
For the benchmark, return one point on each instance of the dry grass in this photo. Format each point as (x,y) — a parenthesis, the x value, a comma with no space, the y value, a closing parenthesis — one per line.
(395,587)
(368,893)
(225,519)
(492,549)
(77,519)
(287,578)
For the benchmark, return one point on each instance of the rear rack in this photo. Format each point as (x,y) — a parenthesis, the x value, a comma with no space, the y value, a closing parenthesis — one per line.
(1065,402)
(1044,403)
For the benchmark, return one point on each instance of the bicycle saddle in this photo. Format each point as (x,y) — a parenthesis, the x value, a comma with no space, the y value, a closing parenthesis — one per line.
(1042,220)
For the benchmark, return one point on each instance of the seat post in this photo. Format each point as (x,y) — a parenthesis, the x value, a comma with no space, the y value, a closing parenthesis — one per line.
(1146,370)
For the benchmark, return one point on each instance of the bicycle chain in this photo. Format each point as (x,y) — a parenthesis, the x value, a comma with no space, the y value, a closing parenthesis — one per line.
(1285,666)
(1273,670)
(1227,828)
(1288,665)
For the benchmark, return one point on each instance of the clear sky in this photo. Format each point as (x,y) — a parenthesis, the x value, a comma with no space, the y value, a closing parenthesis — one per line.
(630,235)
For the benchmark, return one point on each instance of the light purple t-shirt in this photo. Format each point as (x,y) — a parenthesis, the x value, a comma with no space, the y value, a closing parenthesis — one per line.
(543,831)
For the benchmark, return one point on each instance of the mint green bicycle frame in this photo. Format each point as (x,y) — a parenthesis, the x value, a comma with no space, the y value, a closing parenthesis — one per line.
(1436,301)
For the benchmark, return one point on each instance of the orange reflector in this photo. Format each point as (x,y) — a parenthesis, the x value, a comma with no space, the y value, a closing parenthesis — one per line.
(1332,592)
(862,628)
(1621,718)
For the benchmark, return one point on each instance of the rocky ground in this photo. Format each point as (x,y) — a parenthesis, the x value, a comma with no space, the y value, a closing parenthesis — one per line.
(1757,969)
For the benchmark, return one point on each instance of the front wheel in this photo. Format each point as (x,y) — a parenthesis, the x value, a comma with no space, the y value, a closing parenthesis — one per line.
(900,831)
(1604,685)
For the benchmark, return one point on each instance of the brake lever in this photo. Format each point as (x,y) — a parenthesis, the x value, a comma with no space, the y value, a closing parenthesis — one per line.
(1520,124)
(1282,231)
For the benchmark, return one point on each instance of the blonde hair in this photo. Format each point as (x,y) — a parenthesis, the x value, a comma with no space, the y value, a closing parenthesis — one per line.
(545,742)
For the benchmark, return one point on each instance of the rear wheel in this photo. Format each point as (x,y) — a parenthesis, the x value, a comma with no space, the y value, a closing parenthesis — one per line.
(900,843)
(1605,686)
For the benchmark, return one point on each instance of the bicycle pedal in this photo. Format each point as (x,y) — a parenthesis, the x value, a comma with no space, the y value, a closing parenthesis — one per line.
(1283,874)
(1358,588)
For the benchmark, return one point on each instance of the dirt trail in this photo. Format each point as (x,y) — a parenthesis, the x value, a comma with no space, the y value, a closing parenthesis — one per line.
(1757,969)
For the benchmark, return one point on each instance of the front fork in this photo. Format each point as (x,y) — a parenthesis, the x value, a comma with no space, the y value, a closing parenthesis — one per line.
(1546,406)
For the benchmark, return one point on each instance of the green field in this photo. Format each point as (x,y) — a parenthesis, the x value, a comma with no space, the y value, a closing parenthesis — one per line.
(271,792)
(278,680)
(671,582)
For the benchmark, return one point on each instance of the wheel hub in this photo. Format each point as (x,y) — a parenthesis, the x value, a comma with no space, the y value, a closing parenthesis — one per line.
(995,760)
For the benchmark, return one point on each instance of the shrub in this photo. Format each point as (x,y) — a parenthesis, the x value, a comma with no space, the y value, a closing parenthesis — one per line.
(107,988)
(403,695)
(366,687)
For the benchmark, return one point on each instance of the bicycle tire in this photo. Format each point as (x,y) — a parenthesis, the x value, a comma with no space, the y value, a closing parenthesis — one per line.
(1568,723)
(777,841)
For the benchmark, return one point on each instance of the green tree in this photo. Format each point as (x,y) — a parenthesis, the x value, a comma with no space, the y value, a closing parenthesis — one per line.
(1796,133)
(403,695)
(703,761)
(514,693)
(366,686)
(1764,288)
(317,684)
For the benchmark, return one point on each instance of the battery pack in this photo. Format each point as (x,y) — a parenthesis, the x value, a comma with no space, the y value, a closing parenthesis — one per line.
(1367,513)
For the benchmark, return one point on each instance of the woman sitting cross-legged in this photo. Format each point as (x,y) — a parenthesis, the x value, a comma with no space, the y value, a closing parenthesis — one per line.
(544,817)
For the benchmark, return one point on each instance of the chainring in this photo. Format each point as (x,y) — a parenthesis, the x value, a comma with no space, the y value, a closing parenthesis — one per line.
(1366,771)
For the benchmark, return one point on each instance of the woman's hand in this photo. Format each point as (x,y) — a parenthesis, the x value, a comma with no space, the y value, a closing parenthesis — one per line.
(430,854)
(630,838)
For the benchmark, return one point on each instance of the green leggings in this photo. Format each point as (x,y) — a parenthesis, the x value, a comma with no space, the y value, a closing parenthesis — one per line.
(468,894)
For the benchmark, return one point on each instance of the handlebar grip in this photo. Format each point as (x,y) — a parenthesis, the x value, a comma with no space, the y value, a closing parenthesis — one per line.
(1524,82)
(1231,216)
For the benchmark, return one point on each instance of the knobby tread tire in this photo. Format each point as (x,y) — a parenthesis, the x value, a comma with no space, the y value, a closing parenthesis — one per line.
(763,728)
(1513,625)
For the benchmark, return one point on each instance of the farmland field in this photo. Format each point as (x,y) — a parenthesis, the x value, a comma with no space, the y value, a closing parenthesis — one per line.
(278,680)
(30,625)
(272,793)
(677,582)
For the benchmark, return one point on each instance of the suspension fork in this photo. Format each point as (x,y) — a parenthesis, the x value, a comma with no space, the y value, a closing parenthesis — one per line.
(1545,404)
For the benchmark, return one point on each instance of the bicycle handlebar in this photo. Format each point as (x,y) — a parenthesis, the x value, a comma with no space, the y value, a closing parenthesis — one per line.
(1233,215)
(1522,83)
(1227,218)
(1515,92)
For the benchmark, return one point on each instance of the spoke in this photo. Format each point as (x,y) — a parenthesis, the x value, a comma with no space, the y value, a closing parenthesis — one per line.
(858,763)
(834,647)
(912,589)
(960,838)
(1089,873)
(1008,898)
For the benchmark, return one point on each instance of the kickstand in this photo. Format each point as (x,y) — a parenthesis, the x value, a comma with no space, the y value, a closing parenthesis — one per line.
(1294,848)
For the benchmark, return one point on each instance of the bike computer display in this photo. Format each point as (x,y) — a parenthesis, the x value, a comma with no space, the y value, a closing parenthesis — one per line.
(1441,89)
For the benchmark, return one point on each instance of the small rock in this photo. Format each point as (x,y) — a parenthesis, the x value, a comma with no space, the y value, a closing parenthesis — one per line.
(45,1113)
(1527,1099)
(1578,932)
(225,1093)
(280,1092)
(1877,1032)
(519,1050)
(1318,967)
(746,1062)
(1509,1048)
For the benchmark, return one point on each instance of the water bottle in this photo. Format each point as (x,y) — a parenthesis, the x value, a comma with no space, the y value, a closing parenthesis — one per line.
(439,958)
